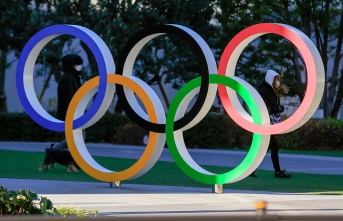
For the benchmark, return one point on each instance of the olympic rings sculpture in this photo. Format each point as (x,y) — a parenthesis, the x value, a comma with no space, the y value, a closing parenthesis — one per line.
(170,127)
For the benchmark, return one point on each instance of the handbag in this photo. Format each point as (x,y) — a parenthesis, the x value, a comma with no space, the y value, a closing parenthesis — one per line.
(275,118)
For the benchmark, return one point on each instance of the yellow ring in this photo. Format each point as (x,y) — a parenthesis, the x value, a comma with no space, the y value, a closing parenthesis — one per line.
(80,152)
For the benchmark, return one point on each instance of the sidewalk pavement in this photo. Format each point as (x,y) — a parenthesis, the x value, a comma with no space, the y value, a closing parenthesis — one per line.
(150,200)
(153,201)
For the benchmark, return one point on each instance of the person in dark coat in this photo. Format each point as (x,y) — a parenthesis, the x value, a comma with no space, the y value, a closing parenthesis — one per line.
(68,84)
(270,90)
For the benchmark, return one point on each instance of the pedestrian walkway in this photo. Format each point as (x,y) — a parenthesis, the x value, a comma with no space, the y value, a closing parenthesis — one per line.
(168,201)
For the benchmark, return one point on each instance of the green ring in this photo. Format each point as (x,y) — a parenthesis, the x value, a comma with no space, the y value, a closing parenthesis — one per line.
(199,173)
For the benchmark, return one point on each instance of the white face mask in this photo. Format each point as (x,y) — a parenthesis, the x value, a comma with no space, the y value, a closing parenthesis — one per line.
(277,84)
(78,67)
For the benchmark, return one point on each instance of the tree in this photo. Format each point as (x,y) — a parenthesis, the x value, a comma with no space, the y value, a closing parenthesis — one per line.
(34,15)
(268,51)
(12,36)
(337,69)
(167,59)
(164,59)
(57,12)
(319,20)
(115,21)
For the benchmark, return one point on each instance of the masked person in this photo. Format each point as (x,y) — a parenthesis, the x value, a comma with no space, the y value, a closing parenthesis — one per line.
(68,84)
(270,90)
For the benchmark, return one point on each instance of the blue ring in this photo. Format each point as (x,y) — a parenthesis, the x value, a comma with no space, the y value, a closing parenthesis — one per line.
(93,46)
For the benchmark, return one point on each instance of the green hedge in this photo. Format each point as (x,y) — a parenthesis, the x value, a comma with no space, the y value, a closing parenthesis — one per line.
(214,131)
(316,134)
(20,127)
(219,131)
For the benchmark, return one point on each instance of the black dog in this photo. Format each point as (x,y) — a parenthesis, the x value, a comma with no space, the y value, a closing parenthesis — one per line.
(63,157)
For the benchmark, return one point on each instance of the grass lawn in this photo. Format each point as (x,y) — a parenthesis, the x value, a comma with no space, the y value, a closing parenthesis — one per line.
(24,165)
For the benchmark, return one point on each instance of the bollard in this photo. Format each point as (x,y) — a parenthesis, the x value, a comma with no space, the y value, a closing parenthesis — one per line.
(261,207)
(115,184)
(217,188)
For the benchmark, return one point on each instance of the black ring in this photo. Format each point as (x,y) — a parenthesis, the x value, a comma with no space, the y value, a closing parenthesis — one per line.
(192,113)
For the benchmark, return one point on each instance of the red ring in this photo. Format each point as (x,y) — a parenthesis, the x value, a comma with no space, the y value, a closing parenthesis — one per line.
(315,76)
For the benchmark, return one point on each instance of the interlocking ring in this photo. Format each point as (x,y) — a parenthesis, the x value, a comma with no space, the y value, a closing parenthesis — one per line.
(177,120)
(207,63)
(315,77)
(259,145)
(76,143)
(25,67)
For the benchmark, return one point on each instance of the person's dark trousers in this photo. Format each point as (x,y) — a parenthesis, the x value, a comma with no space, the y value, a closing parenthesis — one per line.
(274,152)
